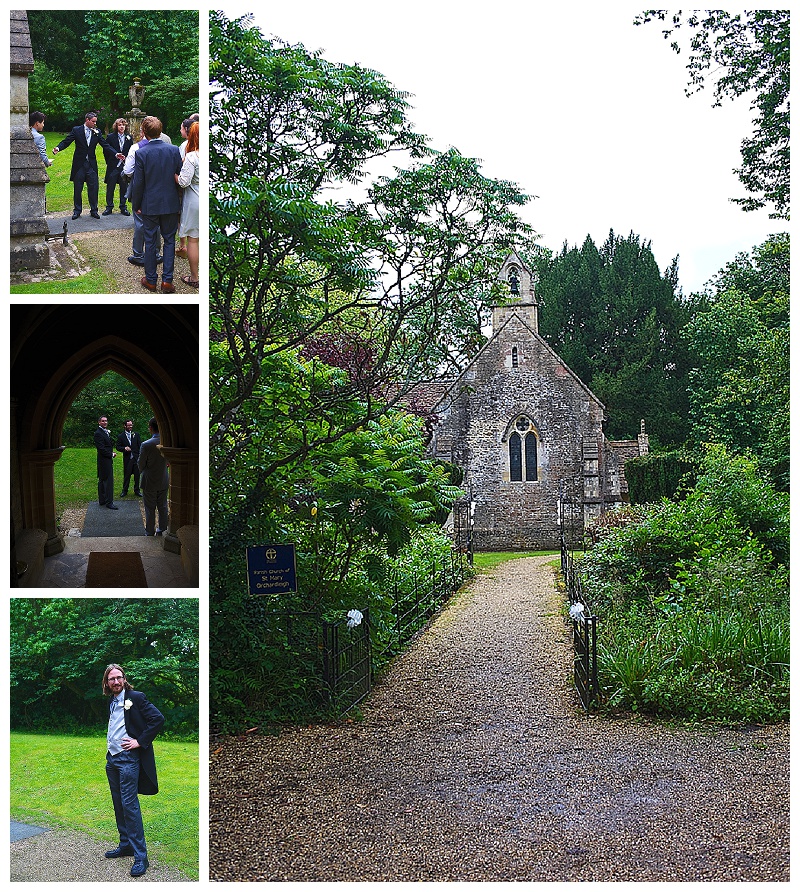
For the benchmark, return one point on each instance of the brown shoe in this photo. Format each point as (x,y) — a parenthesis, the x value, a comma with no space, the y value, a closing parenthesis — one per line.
(167,288)
(150,286)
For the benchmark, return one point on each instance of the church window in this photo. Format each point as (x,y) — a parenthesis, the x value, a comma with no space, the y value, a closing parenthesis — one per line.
(515,456)
(514,357)
(523,444)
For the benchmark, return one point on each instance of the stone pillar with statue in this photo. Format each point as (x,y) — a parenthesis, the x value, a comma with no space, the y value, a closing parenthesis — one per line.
(135,115)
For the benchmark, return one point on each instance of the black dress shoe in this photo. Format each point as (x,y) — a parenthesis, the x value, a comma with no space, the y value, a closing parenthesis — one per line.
(75,215)
(95,215)
(112,506)
(135,261)
(120,852)
(159,258)
(139,867)
(108,211)
(136,492)
(124,212)
(122,495)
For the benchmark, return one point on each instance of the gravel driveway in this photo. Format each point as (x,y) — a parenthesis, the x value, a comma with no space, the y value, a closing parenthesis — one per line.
(474,761)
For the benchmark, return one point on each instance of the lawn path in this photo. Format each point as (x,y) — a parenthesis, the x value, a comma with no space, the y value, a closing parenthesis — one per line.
(475,762)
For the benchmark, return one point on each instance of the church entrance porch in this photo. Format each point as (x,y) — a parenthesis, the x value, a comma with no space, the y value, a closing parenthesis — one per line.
(163,569)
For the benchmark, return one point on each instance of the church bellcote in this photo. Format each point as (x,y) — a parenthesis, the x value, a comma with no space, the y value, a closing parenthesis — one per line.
(521,285)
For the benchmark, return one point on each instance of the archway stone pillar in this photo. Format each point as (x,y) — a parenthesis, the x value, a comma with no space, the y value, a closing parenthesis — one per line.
(183,492)
(39,497)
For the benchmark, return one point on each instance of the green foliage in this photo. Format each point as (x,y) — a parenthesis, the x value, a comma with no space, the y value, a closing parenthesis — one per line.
(87,60)
(739,341)
(324,314)
(109,394)
(288,265)
(61,646)
(51,94)
(266,663)
(58,781)
(660,475)
(616,321)
(747,54)
(694,600)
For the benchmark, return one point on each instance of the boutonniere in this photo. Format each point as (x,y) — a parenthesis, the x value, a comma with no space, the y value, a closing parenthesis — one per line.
(95,131)
(128,704)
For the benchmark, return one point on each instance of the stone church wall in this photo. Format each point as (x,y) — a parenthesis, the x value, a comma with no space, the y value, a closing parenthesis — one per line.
(518,375)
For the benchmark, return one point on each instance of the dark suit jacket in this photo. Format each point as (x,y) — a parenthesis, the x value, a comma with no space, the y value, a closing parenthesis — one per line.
(114,165)
(105,452)
(136,445)
(154,191)
(142,722)
(83,150)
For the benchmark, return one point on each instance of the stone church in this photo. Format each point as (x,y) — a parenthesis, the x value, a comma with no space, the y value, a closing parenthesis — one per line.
(528,434)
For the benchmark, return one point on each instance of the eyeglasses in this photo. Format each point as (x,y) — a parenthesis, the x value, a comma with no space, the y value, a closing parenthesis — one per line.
(116,678)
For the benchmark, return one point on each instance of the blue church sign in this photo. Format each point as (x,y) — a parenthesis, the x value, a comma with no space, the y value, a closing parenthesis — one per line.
(271,569)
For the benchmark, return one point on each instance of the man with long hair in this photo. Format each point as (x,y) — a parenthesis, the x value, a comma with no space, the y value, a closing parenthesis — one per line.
(120,144)
(133,723)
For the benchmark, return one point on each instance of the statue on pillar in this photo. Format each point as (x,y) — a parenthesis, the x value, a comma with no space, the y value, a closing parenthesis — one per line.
(135,115)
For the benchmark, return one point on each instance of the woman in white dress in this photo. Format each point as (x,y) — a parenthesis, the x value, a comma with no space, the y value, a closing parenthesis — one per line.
(189,180)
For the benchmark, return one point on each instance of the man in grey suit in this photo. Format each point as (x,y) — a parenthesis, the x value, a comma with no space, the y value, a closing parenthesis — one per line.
(156,196)
(154,473)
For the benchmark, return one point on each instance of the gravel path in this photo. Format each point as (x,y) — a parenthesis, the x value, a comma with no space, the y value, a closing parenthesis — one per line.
(69,856)
(475,762)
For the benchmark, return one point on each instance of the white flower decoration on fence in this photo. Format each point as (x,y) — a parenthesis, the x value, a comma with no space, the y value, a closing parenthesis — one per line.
(354,618)
(576,611)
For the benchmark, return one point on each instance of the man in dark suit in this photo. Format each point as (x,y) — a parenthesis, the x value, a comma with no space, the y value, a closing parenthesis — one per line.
(133,723)
(155,195)
(105,464)
(120,143)
(86,137)
(129,443)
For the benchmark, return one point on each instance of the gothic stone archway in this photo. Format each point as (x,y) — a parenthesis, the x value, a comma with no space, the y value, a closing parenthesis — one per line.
(56,351)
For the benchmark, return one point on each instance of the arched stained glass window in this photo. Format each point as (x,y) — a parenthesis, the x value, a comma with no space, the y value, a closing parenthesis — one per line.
(531,462)
(523,451)
(515,456)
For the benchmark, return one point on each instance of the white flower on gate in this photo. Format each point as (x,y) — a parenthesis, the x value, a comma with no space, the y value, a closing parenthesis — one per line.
(128,704)
(576,611)
(354,618)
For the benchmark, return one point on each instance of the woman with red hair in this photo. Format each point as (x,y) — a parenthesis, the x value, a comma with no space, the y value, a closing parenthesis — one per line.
(189,180)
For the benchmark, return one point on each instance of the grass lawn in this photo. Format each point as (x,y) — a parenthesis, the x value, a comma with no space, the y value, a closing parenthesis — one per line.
(98,281)
(60,781)
(58,191)
(75,478)
(487,560)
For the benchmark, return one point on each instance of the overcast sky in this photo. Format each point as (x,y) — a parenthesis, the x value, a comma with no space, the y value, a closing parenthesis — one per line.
(572,102)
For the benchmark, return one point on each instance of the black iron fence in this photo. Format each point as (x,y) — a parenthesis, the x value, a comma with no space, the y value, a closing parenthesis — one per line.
(584,632)
(354,646)
(416,597)
(584,622)
(347,659)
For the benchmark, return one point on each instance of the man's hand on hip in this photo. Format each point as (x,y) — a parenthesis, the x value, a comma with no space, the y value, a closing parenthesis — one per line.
(128,743)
